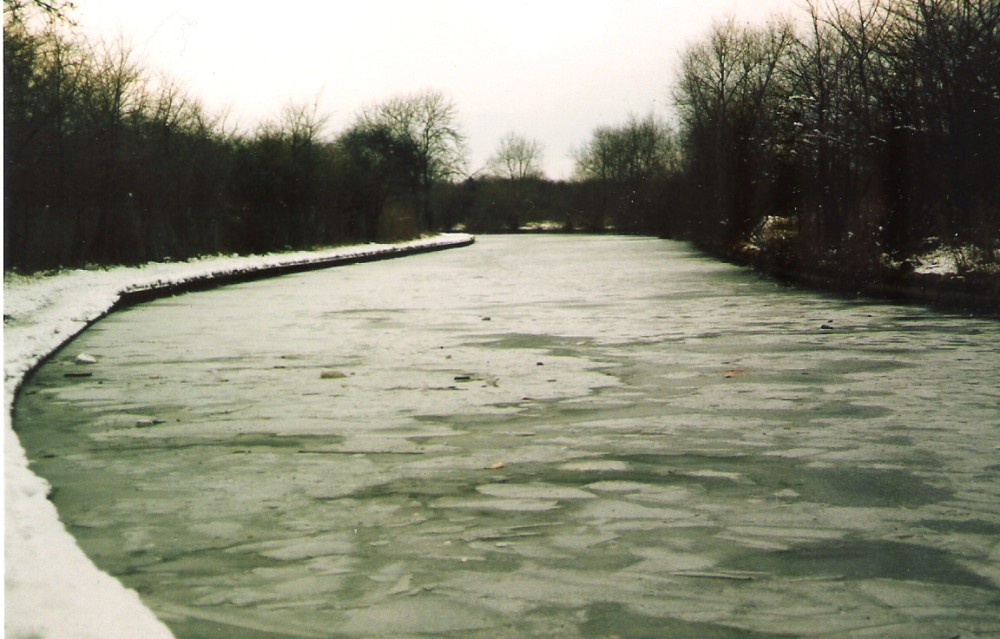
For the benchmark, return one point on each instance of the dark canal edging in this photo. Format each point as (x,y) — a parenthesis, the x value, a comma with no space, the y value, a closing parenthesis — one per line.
(203,282)
(972,293)
(976,294)
(142,294)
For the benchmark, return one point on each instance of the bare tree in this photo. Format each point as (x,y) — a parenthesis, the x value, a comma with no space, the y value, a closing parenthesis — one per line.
(429,122)
(516,158)
(951,110)
(54,10)
(728,95)
(817,73)
(636,150)
(626,168)
(109,163)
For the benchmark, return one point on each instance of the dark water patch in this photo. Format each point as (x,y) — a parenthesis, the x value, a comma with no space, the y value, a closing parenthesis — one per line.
(844,485)
(206,562)
(926,322)
(192,628)
(869,487)
(366,311)
(857,365)
(862,559)
(962,526)
(607,619)
(240,443)
(841,409)
(522,341)
(156,568)
(552,345)
(708,335)
(417,489)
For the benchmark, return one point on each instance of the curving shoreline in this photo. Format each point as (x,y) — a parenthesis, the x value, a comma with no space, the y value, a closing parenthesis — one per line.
(52,588)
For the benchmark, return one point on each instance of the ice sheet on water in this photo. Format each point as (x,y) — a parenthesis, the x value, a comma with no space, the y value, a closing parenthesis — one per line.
(51,588)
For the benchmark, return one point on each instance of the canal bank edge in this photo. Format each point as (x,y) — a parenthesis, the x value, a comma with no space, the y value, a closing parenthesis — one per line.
(976,294)
(52,589)
(140,294)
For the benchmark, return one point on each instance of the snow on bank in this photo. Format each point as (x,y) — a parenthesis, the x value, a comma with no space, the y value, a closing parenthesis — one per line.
(52,590)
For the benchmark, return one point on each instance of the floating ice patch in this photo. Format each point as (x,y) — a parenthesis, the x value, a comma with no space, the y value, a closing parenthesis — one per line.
(618,486)
(533,491)
(596,466)
(714,474)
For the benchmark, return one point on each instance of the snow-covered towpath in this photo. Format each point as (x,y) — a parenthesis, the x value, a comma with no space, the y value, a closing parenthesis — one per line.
(52,590)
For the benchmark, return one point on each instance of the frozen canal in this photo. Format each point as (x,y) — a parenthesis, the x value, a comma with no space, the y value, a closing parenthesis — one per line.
(540,436)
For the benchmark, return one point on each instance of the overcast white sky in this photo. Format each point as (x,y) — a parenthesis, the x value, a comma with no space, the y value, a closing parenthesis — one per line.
(552,70)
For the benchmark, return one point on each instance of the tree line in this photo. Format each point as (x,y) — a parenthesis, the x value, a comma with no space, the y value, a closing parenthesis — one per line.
(107,162)
(857,131)
(623,179)
(847,139)
(864,129)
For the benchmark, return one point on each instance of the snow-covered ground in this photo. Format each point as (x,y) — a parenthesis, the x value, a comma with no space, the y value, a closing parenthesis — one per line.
(52,590)
(940,261)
